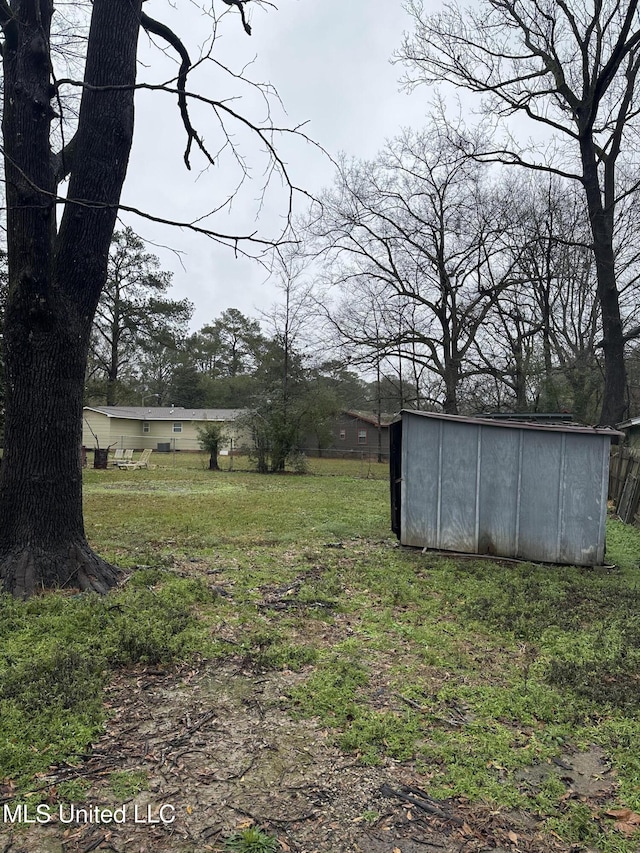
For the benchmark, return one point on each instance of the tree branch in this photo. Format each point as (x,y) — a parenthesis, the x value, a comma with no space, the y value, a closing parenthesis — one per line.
(161,30)
(63,160)
(9,25)
(220,107)
(233,239)
(240,5)
(631,334)
(621,49)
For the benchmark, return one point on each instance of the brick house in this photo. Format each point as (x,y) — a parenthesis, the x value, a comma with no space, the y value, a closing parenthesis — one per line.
(355,434)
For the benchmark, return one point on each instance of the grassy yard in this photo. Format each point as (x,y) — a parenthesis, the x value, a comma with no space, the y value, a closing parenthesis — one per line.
(474,672)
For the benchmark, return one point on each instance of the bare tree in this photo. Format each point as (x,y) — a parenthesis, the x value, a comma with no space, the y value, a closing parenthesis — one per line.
(283,405)
(540,338)
(415,229)
(571,69)
(57,272)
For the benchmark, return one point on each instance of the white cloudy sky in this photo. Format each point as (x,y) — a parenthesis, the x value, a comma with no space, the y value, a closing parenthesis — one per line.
(329,61)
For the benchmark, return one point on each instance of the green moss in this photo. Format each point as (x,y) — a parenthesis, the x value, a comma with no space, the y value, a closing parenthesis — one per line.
(331,692)
(269,649)
(72,791)
(126,784)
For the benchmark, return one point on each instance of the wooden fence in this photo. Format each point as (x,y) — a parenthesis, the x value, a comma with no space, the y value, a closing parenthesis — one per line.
(624,483)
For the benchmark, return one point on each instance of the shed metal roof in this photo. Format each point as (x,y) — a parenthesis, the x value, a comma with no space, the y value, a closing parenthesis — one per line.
(512,424)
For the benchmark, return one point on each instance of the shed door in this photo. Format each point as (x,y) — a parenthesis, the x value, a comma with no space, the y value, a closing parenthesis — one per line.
(395,474)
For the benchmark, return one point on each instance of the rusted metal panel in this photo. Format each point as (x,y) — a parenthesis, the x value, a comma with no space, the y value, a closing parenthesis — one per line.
(529,491)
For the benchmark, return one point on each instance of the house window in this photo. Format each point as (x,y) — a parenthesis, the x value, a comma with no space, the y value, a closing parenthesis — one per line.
(362,436)
(177,427)
(343,434)
(146,427)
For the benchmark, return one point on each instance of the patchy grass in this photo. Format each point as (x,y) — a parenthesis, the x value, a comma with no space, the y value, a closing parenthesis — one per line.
(127,784)
(57,652)
(470,671)
(252,840)
(167,513)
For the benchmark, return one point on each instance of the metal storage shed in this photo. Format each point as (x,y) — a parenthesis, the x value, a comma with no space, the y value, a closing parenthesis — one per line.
(510,489)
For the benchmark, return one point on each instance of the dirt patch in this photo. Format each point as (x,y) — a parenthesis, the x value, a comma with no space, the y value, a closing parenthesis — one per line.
(220,752)
(586,774)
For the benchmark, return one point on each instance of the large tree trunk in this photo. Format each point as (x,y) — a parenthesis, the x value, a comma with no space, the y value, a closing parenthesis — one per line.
(615,375)
(451,382)
(42,540)
(601,219)
(55,280)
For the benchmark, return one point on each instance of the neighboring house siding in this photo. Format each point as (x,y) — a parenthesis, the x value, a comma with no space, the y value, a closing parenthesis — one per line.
(126,433)
(100,426)
(361,436)
(140,433)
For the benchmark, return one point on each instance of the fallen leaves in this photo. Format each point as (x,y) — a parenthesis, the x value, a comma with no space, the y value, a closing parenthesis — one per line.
(626,821)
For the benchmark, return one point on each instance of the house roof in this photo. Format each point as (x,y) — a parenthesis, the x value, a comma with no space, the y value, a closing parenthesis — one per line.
(371,417)
(166,413)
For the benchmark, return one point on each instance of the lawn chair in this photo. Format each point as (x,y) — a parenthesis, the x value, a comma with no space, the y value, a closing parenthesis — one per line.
(132,464)
(118,456)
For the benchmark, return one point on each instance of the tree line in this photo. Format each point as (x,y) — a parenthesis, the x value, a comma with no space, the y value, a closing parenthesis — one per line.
(141,346)
(446,283)
(474,284)
(556,85)
(142,353)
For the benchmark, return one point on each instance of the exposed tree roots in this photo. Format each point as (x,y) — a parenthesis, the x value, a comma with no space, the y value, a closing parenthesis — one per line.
(27,571)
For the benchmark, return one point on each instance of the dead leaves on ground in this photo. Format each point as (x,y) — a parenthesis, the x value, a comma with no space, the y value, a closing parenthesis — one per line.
(626,821)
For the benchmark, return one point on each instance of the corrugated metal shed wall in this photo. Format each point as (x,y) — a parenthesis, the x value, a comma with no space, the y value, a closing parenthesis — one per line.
(531,492)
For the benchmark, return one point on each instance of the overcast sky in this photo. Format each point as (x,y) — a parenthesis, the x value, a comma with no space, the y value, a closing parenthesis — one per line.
(328,60)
